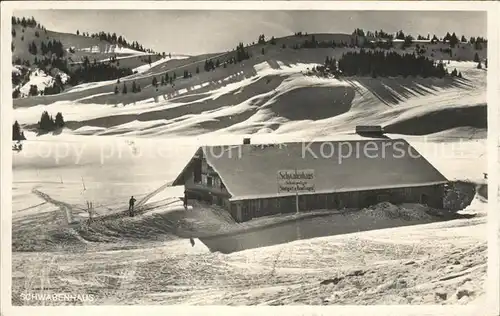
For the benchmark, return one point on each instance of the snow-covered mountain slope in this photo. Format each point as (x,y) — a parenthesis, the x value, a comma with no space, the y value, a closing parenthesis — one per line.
(281,99)
(284,50)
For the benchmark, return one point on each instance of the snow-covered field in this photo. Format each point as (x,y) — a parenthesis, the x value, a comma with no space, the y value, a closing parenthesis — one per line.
(116,49)
(141,260)
(146,67)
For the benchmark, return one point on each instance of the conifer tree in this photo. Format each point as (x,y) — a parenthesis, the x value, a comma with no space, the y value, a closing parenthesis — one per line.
(59,122)
(476,58)
(408,40)
(453,40)
(16,93)
(33,90)
(46,122)
(16,131)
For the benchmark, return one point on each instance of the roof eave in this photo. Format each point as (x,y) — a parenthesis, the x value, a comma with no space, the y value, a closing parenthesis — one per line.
(179,180)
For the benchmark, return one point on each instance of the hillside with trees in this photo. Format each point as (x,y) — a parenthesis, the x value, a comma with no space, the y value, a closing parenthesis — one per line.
(380,63)
(118,40)
(35,47)
(406,51)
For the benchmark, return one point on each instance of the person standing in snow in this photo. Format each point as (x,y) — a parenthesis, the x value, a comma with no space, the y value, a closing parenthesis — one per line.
(131,203)
(185,200)
(192,241)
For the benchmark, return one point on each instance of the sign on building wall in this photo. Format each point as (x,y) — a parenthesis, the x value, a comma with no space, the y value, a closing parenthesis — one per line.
(295,181)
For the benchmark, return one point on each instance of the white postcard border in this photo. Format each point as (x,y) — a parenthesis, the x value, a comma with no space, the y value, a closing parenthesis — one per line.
(6,114)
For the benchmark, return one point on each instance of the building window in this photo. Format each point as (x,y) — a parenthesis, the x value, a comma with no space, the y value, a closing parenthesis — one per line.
(383,197)
(197,170)
(219,183)
(209,181)
(424,199)
(408,192)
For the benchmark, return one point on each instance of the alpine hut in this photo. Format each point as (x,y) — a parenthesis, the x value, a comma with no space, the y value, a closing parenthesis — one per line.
(243,179)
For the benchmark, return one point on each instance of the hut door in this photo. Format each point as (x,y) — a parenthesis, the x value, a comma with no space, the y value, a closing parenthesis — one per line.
(337,203)
(302,203)
(239,215)
(424,199)
(383,197)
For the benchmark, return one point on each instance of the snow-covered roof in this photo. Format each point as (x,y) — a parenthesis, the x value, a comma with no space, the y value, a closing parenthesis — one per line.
(250,171)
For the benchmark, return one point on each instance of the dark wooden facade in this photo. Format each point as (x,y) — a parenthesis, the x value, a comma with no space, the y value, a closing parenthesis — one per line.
(245,210)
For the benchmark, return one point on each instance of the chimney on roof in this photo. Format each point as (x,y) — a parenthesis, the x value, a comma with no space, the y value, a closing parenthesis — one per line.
(246,141)
(369,130)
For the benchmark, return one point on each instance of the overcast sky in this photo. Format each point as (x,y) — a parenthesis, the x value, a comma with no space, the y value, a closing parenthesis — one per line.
(194,32)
